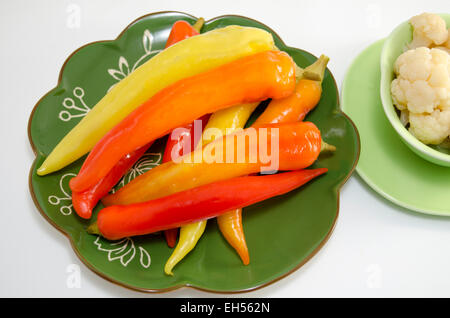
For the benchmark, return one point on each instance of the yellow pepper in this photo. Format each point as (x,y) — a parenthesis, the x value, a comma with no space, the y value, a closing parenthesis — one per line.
(224,121)
(183,59)
(189,236)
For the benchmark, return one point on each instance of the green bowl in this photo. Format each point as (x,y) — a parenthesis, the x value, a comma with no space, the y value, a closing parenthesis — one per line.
(282,233)
(393,47)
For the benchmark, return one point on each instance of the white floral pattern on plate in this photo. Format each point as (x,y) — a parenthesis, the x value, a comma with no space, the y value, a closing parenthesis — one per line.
(65,209)
(144,164)
(124,67)
(124,251)
(80,109)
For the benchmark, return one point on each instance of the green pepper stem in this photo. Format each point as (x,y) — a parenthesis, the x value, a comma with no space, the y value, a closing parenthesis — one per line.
(299,72)
(316,71)
(324,147)
(93,229)
(199,24)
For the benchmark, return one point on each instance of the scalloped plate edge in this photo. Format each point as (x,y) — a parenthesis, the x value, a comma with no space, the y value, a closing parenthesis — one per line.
(185,285)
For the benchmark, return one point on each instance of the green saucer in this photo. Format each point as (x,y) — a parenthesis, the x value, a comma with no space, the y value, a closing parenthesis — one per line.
(386,163)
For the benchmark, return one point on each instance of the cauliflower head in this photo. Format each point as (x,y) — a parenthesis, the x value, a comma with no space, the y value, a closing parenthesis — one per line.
(421,91)
(429,29)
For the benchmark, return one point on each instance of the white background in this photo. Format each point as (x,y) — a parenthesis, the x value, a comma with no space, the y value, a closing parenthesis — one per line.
(376,250)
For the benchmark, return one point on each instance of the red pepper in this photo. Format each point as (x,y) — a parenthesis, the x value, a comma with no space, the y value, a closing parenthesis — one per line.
(196,204)
(176,145)
(84,202)
(180,30)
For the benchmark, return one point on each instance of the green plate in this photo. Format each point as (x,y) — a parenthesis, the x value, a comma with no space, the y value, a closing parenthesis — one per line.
(386,163)
(282,233)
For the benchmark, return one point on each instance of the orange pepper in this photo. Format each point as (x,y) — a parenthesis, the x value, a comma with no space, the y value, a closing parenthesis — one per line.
(296,106)
(299,146)
(230,225)
(285,110)
(269,74)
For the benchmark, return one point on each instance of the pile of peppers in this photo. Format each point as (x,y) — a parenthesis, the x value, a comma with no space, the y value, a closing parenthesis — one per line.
(217,79)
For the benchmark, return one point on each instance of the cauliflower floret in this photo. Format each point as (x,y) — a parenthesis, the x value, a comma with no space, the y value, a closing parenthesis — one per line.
(429,29)
(445,46)
(398,88)
(421,92)
(431,128)
(414,64)
(423,80)
(421,97)
(439,78)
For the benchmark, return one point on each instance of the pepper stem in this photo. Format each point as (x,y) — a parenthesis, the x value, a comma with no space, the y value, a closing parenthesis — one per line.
(299,72)
(199,24)
(93,229)
(324,147)
(316,71)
